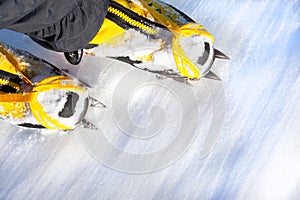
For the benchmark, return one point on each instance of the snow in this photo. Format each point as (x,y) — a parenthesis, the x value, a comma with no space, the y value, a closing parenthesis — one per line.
(257,152)
(53,102)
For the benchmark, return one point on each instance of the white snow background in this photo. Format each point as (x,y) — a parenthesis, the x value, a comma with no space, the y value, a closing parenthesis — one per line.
(256,156)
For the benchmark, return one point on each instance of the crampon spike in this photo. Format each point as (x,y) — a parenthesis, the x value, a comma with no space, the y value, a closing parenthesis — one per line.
(220,55)
(213,76)
(88,125)
(96,103)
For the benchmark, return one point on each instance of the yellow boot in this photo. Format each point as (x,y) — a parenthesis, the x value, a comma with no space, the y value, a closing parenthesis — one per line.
(143,32)
(34,94)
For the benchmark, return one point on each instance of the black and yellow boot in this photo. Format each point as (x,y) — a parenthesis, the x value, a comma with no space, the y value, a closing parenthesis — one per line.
(35,94)
(155,36)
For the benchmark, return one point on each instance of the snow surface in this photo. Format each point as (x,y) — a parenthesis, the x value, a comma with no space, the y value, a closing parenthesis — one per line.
(255,157)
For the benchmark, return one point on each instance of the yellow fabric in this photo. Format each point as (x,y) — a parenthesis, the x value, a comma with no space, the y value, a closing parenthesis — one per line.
(10,109)
(15,110)
(6,65)
(15,63)
(109,33)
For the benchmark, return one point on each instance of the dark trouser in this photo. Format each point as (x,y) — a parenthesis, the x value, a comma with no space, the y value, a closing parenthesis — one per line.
(60,25)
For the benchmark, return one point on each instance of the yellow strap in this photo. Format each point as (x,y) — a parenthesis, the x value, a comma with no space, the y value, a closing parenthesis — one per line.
(187,29)
(53,82)
(44,119)
(44,88)
(52,79)
(17,97)
(183,63)
(192,28)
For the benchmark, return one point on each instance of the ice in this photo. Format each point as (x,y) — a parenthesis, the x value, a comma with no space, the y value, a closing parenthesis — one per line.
(257,153)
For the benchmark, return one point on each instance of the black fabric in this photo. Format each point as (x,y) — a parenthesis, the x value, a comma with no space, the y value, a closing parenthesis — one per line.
(10,77)
(60,25)
(7,89)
